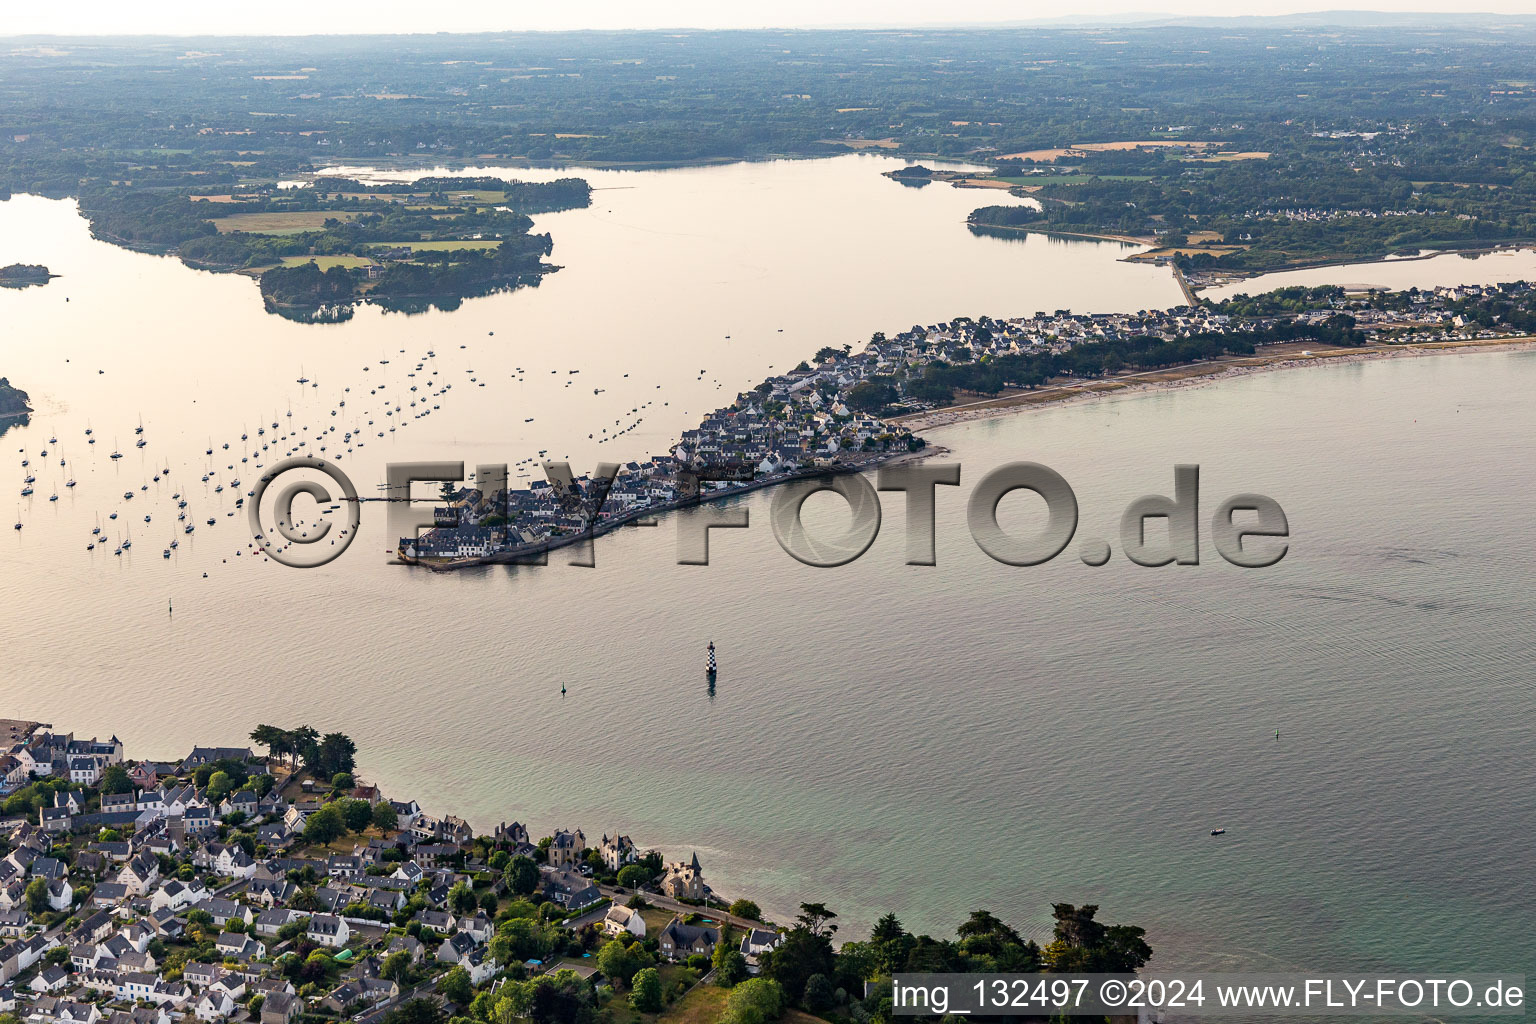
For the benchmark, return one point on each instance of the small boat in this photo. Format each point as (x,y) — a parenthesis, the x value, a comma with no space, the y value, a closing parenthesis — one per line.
(141,443)
(70,482)
(1218,831)
(27,490)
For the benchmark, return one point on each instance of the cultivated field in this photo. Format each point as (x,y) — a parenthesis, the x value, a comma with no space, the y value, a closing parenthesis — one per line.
(284,223)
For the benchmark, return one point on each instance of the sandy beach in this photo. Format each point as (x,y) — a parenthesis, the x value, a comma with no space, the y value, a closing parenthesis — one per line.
(1281,357)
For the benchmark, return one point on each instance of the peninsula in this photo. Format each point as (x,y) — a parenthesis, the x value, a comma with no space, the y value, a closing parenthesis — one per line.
(13,400)
(274,887)
(24,275)
(853,411)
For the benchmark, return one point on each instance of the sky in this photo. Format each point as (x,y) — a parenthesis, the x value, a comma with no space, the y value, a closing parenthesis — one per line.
(288,17)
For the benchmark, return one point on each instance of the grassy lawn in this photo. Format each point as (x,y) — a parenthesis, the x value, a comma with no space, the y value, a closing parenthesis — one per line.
(701,1006)
(327,262)
(483,243)
(655,919)
(793,1016)
(284,223)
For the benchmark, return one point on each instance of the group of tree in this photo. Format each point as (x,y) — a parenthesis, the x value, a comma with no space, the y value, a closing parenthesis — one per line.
(324,756)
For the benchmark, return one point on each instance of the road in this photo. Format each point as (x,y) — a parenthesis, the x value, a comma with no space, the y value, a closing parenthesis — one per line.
(667,903)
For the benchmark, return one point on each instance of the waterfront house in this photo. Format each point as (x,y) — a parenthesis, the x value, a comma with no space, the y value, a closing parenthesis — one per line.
(683,880)
(567,849)
(617,852)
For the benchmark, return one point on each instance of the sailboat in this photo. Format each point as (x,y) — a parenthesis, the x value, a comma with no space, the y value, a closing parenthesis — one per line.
(140,428)
(18,517)
(115,453)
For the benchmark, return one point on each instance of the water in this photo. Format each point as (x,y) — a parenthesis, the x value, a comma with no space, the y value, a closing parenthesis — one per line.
(1396,274)
(923,740)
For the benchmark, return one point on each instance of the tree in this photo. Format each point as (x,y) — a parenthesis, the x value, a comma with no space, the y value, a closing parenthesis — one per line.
(420,1010)
(819,993)
(37,896)
(457,986)
(522,875)
(730,968)
(343,782)
(461,899)
(333,754)
(396,967)
(632,876)
(114,779)
(385,817)
(613,962)
(746,909)
(358,814)
(816,918)
(802,954)
(489,902)
(277,741)
(325,826)
(754,1001)
(219,785)
(887,929)
(647,994)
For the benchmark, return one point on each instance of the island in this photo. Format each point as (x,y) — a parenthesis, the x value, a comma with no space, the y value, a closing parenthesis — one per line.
(13,400)
(24,275)
(267,881)
(321,249)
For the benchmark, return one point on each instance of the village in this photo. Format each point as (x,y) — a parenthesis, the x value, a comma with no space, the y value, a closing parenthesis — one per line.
(230,885)
(838,414)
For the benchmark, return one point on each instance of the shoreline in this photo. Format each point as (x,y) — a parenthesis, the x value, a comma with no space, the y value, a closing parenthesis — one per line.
(1228,277)
(1192,375)
(527,553)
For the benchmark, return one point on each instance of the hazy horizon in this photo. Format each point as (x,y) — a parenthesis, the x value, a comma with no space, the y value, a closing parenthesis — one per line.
(289,17)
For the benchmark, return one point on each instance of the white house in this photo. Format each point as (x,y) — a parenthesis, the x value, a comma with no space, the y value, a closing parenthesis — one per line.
(622,920)
(328,930)
(215,1005)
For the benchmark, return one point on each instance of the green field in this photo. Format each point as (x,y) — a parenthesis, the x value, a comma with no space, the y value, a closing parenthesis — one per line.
(482,243)
(327,262)
(1070,179)
(287,223)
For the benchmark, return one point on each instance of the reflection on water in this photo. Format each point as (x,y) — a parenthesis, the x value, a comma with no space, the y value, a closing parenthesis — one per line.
(881,736)
(1395,274)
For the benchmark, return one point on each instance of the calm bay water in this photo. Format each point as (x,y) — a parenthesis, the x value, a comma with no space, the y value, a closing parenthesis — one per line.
(923,740)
